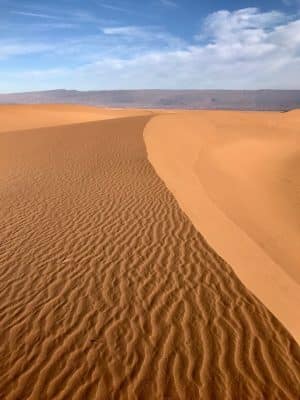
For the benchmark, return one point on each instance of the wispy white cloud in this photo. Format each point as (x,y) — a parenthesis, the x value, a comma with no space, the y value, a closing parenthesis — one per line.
(117,7)
(34,15)
(63,19)
(114,7)
(143,35)
(12,48)
(124,31)
(46,26)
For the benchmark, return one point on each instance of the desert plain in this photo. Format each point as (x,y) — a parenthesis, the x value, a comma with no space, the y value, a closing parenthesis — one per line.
(149,254)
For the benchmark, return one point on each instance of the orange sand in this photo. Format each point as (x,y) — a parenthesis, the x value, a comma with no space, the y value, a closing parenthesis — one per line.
(22,117)
(107,290)
(236,175)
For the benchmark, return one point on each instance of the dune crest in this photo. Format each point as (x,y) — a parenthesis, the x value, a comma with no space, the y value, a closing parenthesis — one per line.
(235,174)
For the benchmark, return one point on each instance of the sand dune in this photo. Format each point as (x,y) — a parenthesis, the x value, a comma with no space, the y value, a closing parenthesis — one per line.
(21,117)
(236,175)
(107,290)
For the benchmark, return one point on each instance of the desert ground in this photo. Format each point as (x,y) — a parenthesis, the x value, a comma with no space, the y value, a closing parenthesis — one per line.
(148,254)
(236,175)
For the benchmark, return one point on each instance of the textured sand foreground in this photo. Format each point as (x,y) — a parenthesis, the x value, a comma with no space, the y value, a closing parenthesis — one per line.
(107,291)
(236,175)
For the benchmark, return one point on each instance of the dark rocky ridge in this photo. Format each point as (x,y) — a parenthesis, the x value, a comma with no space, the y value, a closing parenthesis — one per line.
(280,100)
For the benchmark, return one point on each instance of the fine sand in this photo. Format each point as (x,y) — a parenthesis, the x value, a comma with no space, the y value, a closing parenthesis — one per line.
(107,290)
(22,117)
(236,175)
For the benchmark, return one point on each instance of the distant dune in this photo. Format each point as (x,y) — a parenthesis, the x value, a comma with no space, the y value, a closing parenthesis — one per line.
(107,290)
(22,117)
(178,99)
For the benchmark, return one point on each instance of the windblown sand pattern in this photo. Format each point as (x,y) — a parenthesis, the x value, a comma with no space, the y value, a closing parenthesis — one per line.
(107,290)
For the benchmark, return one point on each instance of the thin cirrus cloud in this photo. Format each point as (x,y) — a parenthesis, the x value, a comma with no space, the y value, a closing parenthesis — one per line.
(124,31)
(245,48)
(34,15)
(11,48)
(119,8)
(143,35)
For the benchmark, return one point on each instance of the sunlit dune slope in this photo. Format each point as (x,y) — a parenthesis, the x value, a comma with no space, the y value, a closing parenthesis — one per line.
(236,175)
(107,291)
(21,117)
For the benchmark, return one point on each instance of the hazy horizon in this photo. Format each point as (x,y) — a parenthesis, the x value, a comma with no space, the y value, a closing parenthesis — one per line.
(152,90)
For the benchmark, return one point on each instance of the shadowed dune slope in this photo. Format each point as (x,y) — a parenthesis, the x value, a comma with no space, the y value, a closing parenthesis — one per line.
(236,175)
(107,291)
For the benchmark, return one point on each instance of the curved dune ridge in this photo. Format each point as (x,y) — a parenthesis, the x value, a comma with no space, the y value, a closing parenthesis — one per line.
(236,175)
(107,290)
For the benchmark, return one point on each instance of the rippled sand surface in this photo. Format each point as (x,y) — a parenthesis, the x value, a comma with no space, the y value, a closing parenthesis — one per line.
(107,291)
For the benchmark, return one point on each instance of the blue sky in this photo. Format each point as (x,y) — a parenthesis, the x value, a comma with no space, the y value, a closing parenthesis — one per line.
(135,44)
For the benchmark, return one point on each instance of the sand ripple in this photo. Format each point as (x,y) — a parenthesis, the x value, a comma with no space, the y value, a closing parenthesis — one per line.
(108,292)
